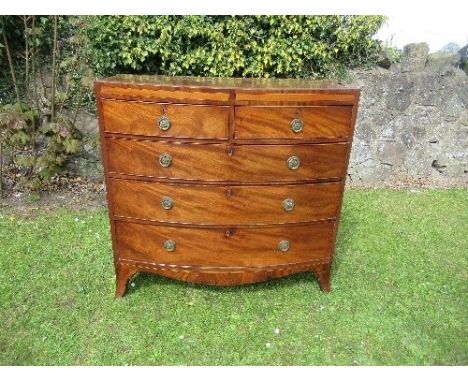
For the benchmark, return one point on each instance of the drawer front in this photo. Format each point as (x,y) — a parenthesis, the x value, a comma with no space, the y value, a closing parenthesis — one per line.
(204,204)
(166,120)
(313,122)
(218,162)
(258,246)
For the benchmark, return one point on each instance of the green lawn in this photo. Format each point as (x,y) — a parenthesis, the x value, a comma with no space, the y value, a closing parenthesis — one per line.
(399,295)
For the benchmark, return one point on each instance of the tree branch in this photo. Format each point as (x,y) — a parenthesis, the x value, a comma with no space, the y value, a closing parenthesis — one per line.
(10,63)
(54,52)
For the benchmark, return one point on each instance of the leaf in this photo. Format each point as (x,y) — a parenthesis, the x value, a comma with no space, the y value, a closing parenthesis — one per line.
(72,146)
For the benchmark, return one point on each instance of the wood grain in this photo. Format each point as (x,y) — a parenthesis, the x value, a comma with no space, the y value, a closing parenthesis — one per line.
(253,98)
(201,204)
(320,122)
(215,247)
(220,162)
(222,276)
(187,121)
(193,96)
(193,83)
(216,90)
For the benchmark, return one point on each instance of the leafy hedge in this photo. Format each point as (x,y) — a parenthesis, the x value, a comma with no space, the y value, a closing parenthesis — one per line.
(240,46)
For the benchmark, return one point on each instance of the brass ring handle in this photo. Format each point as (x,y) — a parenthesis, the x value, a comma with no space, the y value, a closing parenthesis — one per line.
(283,245)
(169,245)
(165,160)
(288,204)
(297,125)
(164,123)
(293,162)
(166,203)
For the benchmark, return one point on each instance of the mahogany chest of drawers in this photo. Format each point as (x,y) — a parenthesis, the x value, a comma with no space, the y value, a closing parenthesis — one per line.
(224,181)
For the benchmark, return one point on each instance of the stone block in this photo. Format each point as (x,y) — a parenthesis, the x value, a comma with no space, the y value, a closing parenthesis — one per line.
(87,124)
(414,57)
(442,63)
(399,93)
(391,153)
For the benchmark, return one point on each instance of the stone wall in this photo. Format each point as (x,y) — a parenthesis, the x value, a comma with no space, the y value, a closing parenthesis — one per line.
(412,126)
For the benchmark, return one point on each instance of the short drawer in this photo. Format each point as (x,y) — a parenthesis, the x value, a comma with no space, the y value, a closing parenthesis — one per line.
(166,120)
(201,246)
(302,123)
(224,163)
(211,204)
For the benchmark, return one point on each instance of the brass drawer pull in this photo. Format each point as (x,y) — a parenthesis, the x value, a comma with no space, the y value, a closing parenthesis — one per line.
(288,204)
(164,123)
(297,125)
(293,162)
(165,160)
(283,245)
(166,203)
(169,245)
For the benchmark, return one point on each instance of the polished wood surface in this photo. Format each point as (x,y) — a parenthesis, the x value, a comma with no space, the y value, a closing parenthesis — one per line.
(165,95)
(320,122)
(229,143)
(186,121)
(257,98)
(188,82)
(216,90)
(223,247)
(226,163)
(201,204)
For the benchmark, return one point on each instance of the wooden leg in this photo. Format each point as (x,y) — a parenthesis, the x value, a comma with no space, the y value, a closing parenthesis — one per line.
(123,273)
(323,275)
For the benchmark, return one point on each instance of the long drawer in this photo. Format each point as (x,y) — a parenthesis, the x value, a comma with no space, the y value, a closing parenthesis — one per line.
(224,163)
(201,204)
(235,247)
(166,120)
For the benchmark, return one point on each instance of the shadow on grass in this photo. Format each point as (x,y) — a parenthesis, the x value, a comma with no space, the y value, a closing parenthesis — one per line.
(150,280)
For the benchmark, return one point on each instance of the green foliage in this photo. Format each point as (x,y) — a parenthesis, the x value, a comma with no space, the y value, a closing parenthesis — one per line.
(240,46)
(37,132)
(74,72)
(15,124)
(63,141)
(12,27)
(394,53)
(39,154)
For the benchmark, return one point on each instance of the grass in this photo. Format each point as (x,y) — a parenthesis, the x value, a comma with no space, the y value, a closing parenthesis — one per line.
(399,295)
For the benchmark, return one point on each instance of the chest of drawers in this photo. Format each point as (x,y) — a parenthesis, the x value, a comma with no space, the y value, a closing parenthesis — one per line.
(224,181)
